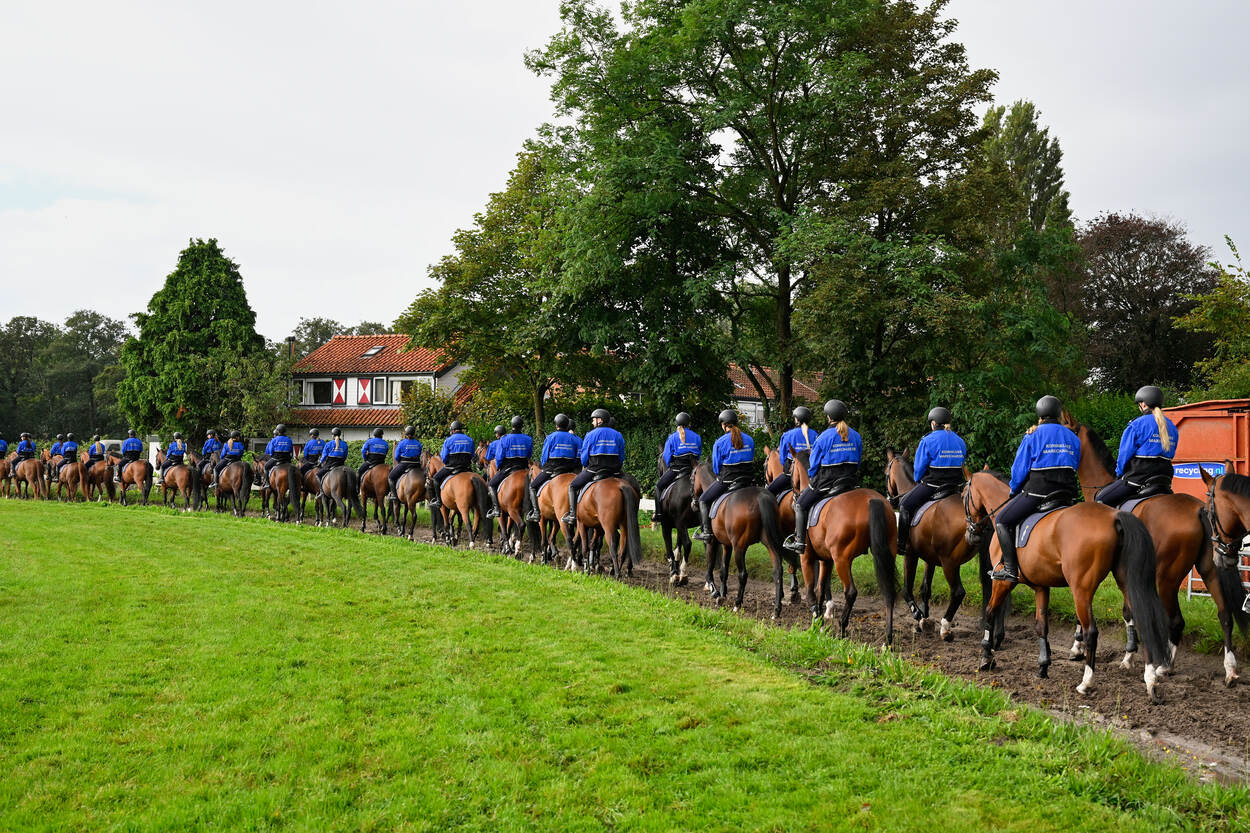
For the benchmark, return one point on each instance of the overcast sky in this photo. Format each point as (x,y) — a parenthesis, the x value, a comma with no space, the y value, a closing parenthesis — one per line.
(333,149)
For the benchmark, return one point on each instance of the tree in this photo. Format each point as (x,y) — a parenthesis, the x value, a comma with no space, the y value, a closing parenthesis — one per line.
(197,326)
(257,394)
(1140,275)
(757,112)
(311,333)
(369,328)
(1032,157)
(21,339)
(429,411)
(68,366)
(1223,315)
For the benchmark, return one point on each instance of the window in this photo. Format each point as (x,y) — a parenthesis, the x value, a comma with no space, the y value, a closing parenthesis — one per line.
(318,392)
(373,351)
(398,388)
(379,391)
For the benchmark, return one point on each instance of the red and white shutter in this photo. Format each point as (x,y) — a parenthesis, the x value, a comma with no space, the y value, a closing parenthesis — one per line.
(340,392)
(363,397)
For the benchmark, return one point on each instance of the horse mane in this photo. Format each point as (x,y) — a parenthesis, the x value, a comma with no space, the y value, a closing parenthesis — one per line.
(802,456)
(1237,484)
(998,475)
(1100,448)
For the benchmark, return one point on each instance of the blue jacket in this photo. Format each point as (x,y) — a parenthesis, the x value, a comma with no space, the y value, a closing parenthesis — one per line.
(407,450)
(279,445)
(210,445)
(513,446)
(96,451)
(457,443)
(674,447)
(335,448)
(232,450)
(313,448)
(1141,439)
(724,453)
(25,445)
(177,448)
(831,450)
(375,445)
(491,449)
(4,447)
(55,450)
(563,445)
(793,440)
(69,450)
(1051,446)
(940,449)
(602,441)
(132,444)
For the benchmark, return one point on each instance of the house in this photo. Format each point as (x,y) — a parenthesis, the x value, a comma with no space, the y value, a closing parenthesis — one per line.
(357,383)
(746,397)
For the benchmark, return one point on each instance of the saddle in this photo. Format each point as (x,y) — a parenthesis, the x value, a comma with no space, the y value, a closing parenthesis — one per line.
(598,475)
(1159,484)
(941,494)
(1053,502)
(716,503)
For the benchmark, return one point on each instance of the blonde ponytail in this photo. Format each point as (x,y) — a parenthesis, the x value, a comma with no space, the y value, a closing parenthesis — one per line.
(844,431)
(1162,422)
(681,432)
(807,439)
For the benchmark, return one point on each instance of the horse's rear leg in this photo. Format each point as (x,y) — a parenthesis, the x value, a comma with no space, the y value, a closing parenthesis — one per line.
(850,593)
(1000,592)
(926,591)
(909,581)
(740,560)
(670,556)
(956,583)
(1041,627)
(711,553)
(1083,600)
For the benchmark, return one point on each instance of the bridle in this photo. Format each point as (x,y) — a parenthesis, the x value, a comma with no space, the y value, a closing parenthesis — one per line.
(974,528)
(1224,545)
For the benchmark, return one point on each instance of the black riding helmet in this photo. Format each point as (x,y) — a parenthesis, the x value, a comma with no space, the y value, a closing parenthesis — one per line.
(212,432)
(940,415)
(236,435)
(500,430)
(68,437)
(337,432)
(1049,407)
(130,432)
(59,437)
(835,409)
(377,432)
(802,415)
(456,425)
(728,417)
(562,422)
(280,431)
(177,435)
(95,438)
(1150,396)
(518,423)
(410,431)
(682,419)
(313,432)
(600,413)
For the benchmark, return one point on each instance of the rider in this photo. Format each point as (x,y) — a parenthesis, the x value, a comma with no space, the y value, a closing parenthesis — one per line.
(603,455)
(334,454)
(832,468)
(511,454)
(1146,450)
(4,446)
(132,450)
(279,450)
(174,454)
(212,446)
(25,447)
(1045,467)
(733,463)
(798,438)
(494,444)
(231,452)
(939,462)
(373,451)
(561,453)
(69,454)
(681,454)
(407,456)
(95,451)
(312,451)
(56,446)
(457,457)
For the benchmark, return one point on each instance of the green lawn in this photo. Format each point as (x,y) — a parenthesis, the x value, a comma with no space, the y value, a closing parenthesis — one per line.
(163,671)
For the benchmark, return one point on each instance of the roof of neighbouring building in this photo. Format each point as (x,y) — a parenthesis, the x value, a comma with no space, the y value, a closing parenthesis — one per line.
(347,355)
(346,417)
(805,388)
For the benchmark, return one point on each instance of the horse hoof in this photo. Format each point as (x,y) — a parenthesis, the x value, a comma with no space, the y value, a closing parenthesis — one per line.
(988,665)
(1127,662)
(1043,672)
(947,632)
(737,609)
(672,580)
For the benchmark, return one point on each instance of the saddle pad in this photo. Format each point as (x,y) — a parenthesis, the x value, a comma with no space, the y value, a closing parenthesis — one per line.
(1131,504)
(813,517)
(1026,528)
(716,504)
(924,507)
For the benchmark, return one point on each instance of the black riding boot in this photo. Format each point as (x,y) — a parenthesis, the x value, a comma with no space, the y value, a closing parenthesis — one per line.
(432,494)
(570,517)
(533,515)
(904,530)
(797,542)
(705,523)
(1010,570)
(494,504)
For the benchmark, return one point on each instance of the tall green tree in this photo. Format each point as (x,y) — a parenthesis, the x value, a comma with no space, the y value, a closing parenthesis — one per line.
(85,347)
(196,327)
(758,111)
(1223,315)
(1034,161)
(21,339)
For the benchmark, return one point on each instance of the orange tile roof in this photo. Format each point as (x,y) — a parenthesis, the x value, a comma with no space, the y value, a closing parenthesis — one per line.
(329,417)
(345,355)
(805,388)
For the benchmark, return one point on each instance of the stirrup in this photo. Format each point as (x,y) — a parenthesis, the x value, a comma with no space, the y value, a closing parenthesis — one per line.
(532,516)
(569,517)
(1004,573)
(703,534)
(793,544)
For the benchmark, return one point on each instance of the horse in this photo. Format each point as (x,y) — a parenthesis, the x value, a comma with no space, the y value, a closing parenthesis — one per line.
(6,473)
(608,510)
(1228,510)
(746,516)
(409,491)
(98,477)
(234,488)
(553,504)
(785,503)
(465,497)
(939,539)
(679,514)
(374,485)
(179,479)
(513,507)
(849,525)
(311,488)
(72,479)
(266,489)
(1077,547)
(1182,542)
(489,467)
(138,473)
(29,475)
(339,489)
(288,501)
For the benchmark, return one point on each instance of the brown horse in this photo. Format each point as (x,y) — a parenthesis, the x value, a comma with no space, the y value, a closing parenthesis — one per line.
(288,501)
(1076,547)
(851,524)
(234,488)
(98,478)
(513,507)
(374,485)
(409,491)
(312,488)
(746,516)
(340,488)
(138,474)
(179,480)
(939,539)
(553,504)
(608,510)
(785,503)
(1182,542)
(6,474)
(465,499)
(489,467)
(29,476)
(1228,508)
(71,479)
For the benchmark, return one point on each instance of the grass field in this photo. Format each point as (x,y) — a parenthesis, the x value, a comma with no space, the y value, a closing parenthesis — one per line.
(161,671)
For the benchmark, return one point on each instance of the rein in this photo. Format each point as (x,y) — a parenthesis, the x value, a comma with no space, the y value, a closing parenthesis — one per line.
(1223,544)
(974,527)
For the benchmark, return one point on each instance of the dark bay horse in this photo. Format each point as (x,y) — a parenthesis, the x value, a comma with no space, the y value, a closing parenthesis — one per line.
(137,474)
(513,507)
(1077,547)
(311,488)
(850,525)
(553,504)
(785,503)
(288,497)
(374,485)
(746,516)
(234,488)
(940,540)
(180,480)
(1182,542)
(1228,507)
(608,511)
(98,477)
(679,515)
(409,491)
(465,499)
(340,489)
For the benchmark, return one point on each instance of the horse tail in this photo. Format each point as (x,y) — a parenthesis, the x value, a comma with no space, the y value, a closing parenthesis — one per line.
(483,508)
(1136,554)
(245,490)
(882,555)
(294,492)
(770,533)
(633,539)
(197,489)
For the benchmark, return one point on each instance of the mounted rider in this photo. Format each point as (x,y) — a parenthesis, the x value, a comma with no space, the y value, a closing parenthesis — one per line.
(279,449)
(407,456)
(733,463)
(1044,470)
(1147,447)
(513,453)
(334,454)
(174,454)
(26,447)
(833,468)
(312,451)
(939,463)
(493,446)
(681,454)
(562,450)
(457,457)
(798,438)
(95,451)
(231,452)
(132,450)
(56,446)
(4,446)
(603,455)
(69,454)
(373,452)
(211,446)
